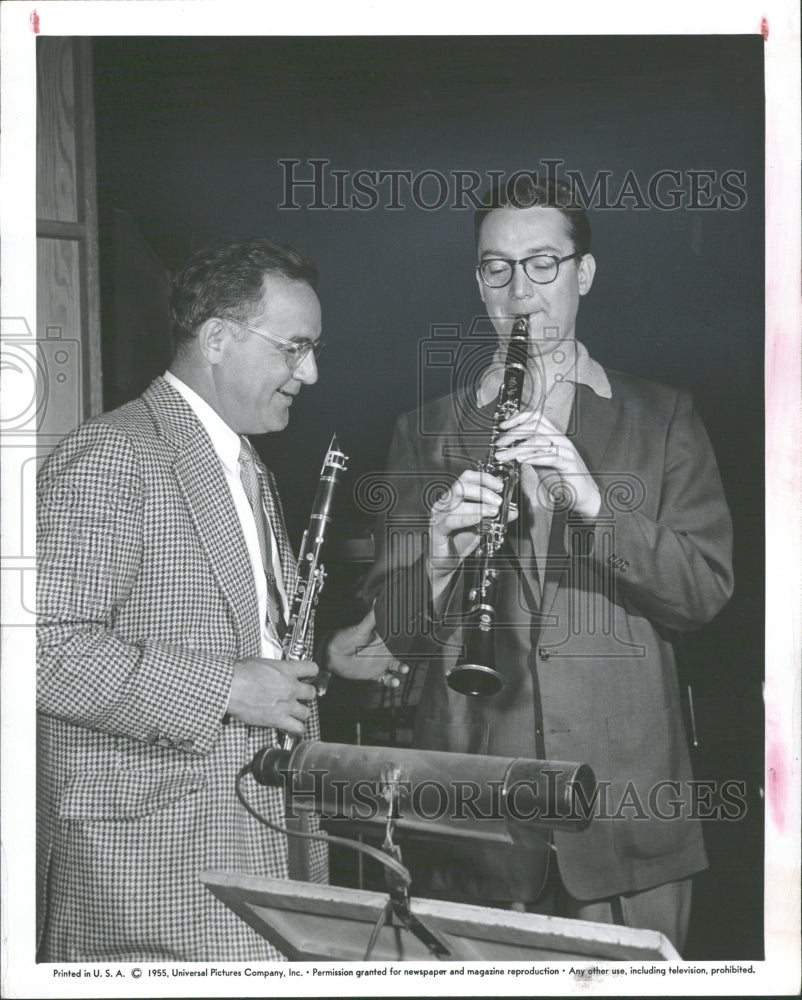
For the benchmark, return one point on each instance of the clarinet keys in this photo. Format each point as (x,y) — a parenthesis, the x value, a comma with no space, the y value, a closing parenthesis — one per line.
(474,674)
(298,641)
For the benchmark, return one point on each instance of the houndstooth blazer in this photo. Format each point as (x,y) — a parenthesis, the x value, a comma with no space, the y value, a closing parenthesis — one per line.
(145,600)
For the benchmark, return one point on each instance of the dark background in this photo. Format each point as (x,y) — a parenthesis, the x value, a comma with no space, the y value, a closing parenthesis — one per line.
(189,135)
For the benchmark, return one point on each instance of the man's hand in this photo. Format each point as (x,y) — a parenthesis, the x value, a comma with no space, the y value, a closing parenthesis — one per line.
(531,439)
(454,524)
(272,693)
(358,654)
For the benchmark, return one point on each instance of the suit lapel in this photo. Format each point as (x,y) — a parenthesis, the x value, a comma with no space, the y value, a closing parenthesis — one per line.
(203,485)
(467,436)
(592,421)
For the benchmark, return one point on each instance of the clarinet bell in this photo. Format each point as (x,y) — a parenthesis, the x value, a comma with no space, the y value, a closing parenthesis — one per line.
(474,679)
(472,674)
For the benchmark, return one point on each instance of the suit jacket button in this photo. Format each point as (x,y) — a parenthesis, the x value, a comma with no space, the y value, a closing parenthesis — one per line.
(543,653)
(164,742)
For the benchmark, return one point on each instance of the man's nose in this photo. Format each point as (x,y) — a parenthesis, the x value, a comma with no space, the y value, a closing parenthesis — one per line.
(306,371)
(521,286)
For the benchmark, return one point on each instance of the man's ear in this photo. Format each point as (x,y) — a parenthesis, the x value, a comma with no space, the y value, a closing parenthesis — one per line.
(586,271)
(212,338)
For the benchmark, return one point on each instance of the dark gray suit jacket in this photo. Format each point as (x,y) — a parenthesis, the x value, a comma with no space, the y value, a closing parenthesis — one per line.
(586,654)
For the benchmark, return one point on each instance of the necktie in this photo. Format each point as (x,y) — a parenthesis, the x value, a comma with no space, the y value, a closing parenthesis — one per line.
(251,482)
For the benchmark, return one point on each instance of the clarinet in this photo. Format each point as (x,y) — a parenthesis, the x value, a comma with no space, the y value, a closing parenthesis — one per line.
(474,673)
(299,639)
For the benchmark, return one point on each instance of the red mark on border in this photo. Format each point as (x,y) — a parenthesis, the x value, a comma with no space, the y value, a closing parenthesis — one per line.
(777,790)
(764,29)
(34,22)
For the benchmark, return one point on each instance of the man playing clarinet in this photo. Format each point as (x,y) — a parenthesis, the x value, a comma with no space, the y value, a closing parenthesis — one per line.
(620,540)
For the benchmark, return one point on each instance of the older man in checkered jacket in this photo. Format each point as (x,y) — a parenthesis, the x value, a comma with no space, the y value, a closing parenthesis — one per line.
(162,592)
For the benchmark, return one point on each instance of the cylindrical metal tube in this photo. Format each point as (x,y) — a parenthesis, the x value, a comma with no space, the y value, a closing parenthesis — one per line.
(457,795)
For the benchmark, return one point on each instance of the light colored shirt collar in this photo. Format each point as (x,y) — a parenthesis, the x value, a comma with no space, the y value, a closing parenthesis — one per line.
(225,441)
(589,372)
(575,365)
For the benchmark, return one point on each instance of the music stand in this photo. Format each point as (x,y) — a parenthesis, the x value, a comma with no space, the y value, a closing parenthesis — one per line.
(329,923)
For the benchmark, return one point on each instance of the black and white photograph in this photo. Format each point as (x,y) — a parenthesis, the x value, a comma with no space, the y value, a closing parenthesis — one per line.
(400,503)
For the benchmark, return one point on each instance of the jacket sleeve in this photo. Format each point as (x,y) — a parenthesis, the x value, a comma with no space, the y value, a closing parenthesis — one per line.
(398,583)
(90,549)
(669,561)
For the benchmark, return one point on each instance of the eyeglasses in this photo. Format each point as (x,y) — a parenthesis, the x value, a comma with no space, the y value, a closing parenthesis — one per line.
(542,268)
(294,351)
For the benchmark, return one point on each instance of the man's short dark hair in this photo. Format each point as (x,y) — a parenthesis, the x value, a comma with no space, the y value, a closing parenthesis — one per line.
(525,190)
(227,281)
